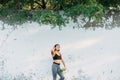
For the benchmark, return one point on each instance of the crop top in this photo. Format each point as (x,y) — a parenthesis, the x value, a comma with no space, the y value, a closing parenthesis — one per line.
(56,57)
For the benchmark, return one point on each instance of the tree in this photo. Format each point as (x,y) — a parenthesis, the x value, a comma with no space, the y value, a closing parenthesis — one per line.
(49,11)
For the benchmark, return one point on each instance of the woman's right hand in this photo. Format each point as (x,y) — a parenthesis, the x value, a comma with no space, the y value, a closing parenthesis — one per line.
(53,49)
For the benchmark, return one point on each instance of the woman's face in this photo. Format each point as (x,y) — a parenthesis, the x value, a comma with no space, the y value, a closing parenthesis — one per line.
(57,47)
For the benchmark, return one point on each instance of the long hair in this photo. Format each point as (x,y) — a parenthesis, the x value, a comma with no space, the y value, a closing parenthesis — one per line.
(56,45)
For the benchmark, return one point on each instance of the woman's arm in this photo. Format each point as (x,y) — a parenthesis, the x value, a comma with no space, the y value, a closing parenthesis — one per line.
(63,62)
(52,51)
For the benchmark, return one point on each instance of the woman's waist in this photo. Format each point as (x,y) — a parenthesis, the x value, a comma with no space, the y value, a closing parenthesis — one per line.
(57,62)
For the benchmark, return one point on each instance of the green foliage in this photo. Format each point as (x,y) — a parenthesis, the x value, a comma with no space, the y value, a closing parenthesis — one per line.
(109,3)
(55,12)
(48,16)
(91,10)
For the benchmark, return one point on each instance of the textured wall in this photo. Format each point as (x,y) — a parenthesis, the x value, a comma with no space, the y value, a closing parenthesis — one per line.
(89,55)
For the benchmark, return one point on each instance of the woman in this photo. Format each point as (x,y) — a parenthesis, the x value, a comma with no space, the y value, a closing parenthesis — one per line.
(57,59)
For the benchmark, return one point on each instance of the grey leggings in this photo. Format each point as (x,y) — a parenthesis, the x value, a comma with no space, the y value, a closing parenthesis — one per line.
(55,71)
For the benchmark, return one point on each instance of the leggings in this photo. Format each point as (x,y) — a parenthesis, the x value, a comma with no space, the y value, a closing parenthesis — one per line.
(56,70)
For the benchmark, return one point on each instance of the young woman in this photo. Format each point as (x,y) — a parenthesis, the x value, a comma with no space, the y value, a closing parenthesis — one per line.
(57,59)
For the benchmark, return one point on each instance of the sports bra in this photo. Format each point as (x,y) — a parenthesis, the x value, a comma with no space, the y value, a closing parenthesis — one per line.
(56,57)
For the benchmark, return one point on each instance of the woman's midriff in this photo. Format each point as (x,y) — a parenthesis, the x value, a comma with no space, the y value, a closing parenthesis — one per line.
(57,61)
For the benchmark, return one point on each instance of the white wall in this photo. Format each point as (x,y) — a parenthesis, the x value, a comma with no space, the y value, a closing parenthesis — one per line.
(93,55)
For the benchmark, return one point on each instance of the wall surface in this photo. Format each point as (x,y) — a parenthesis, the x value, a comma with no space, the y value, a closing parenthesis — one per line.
(89,55)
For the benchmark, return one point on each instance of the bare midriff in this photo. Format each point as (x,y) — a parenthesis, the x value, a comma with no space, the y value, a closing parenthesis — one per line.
(57,61)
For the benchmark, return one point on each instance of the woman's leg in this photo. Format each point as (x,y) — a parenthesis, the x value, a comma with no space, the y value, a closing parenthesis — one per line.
(54,71)
(60,73)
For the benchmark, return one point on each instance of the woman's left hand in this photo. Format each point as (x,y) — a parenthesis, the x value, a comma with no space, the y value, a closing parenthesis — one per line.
(65,68)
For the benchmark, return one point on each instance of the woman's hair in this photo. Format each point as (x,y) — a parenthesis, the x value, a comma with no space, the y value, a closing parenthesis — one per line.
(56,45)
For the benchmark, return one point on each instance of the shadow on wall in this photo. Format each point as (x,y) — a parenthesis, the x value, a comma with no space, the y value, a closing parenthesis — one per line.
(109,21)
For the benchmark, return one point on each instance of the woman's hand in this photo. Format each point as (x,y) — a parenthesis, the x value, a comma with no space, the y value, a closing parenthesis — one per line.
(65,67)
(53,49)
